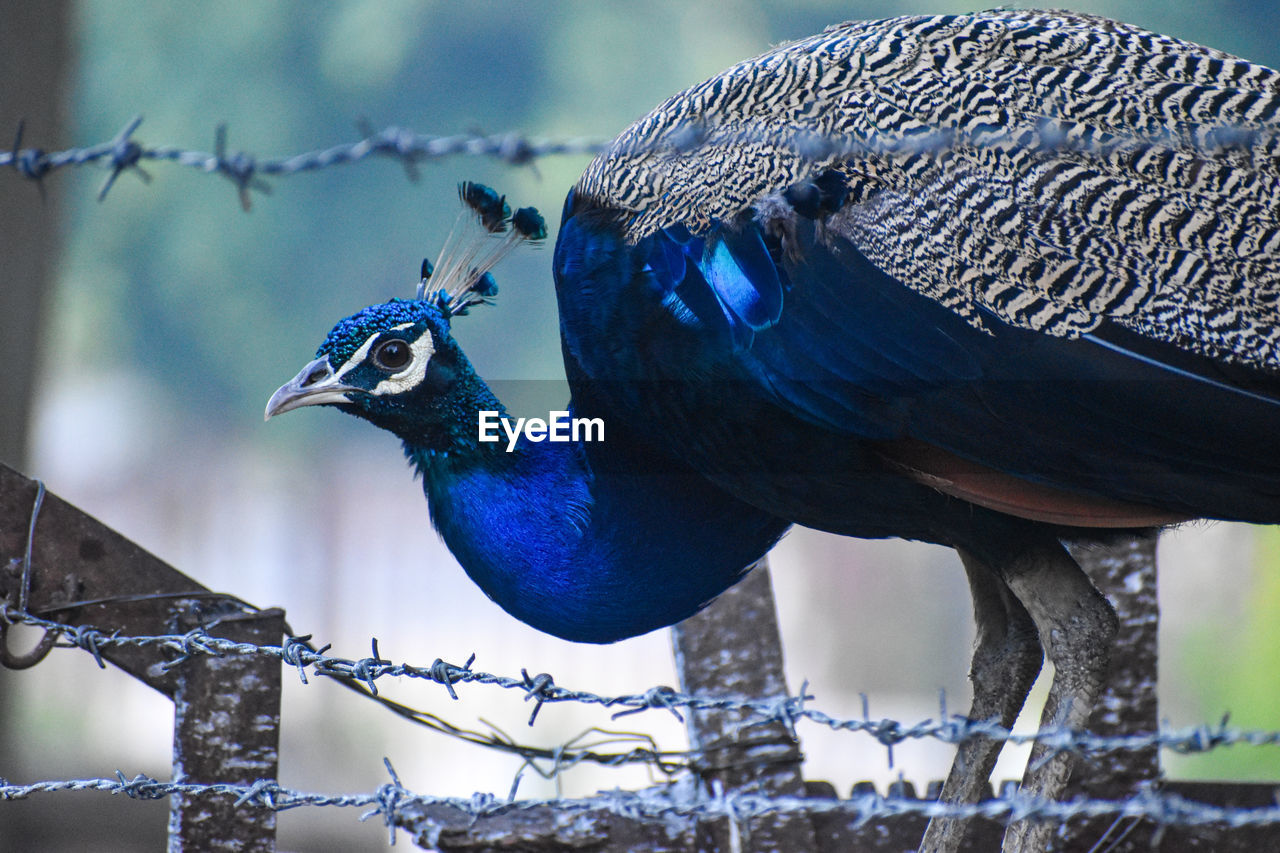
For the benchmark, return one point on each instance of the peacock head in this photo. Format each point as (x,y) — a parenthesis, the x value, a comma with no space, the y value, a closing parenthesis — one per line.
(396,364)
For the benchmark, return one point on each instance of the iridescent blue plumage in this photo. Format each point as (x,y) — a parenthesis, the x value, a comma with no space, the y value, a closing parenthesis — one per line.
(590,553)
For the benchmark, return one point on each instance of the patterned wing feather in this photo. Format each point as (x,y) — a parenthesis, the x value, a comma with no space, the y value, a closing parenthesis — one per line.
(1050,169)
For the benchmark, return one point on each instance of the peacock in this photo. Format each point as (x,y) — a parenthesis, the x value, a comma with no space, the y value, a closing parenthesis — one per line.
(989,281)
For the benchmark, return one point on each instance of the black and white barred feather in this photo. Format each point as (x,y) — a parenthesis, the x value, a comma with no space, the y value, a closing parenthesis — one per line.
(1053,168)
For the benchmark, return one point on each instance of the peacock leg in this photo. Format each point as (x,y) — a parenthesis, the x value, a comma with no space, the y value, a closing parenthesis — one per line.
(1077,628)
(1006,660)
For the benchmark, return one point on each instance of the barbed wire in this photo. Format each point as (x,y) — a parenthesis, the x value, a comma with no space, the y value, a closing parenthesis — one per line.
(399,806)
(246,171)
(541,689)
(125,154)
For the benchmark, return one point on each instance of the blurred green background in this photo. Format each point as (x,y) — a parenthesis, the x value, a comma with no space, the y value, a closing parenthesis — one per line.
(173,315)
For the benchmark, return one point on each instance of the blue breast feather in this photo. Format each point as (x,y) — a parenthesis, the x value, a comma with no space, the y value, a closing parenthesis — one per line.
(646,544)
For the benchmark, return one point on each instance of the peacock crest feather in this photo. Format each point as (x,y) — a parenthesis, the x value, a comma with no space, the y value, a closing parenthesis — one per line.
(461,277)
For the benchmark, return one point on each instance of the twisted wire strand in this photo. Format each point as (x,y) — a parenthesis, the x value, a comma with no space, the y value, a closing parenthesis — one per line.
(542,689)
(247,171)
(398,805)
(124,154)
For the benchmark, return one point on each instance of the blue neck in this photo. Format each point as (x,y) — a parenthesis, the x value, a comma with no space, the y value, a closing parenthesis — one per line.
(590,551)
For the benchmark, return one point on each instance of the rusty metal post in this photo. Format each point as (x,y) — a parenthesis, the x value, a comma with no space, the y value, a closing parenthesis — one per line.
(733,648)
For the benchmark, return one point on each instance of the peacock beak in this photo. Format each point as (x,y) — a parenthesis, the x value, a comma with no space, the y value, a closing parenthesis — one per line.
(315,385)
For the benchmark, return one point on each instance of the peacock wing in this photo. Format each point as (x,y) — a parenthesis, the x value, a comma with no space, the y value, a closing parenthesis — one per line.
(1041,242)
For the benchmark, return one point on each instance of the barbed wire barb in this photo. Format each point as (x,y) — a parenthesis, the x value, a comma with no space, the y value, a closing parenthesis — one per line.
(124,154)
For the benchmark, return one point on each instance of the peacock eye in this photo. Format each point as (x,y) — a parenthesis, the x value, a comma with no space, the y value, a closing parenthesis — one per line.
(392,355)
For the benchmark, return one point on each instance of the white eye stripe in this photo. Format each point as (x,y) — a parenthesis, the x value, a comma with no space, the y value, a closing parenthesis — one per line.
(423,345)
(422,349)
